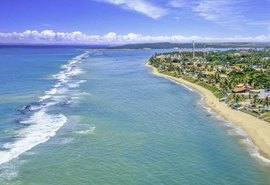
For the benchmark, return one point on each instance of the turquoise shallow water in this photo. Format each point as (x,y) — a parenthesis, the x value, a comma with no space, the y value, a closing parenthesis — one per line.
(123,125)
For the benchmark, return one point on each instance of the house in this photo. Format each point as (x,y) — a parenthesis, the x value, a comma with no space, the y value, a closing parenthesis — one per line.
(256,67)
(177,65)
(237,68)
(240,88)
(237,54)
(240,85)
(218,67)
(161,58)
(176,56)
(254,92)
(223,76)
(264,93)
(207,74)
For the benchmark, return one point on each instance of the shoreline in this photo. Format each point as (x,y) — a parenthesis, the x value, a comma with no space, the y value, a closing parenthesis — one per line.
(257,130)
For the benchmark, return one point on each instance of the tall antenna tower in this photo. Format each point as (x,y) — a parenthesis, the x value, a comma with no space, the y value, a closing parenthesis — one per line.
(193,49)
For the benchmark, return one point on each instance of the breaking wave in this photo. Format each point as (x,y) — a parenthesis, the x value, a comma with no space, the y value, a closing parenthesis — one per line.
(40,124)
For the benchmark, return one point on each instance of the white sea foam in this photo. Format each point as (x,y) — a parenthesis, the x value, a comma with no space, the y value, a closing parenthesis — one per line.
(8,172)
(51,91)
(76,84)
(42,98)
(42,125)
(70,69)
(87,131)
(180,84)
(187,87)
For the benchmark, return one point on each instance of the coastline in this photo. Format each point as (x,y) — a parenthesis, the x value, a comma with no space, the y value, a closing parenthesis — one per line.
(258,130)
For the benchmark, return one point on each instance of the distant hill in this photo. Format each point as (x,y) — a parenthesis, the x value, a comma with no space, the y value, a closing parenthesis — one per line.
(168,45)
(157,45)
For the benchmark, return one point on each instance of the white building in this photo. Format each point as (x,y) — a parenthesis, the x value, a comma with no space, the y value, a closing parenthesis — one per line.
(264,93)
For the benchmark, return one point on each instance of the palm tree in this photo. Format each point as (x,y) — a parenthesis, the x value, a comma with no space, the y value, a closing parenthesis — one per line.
(236,98)
(266,101)
(255,99)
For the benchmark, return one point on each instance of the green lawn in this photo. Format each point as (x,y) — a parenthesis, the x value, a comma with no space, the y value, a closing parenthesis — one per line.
(168,73)
(211,88)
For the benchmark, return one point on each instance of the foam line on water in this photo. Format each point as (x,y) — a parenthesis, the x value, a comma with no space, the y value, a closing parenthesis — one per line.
(87,131)
(44,125)
(234,130)
(188,88)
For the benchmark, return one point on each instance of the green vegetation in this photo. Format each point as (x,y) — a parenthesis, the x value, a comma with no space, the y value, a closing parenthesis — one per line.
(211,88)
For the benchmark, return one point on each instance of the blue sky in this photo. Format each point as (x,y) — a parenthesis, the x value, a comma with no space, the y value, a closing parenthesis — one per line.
(130,21)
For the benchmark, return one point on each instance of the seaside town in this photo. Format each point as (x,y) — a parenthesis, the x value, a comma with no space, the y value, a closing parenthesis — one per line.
(239,77)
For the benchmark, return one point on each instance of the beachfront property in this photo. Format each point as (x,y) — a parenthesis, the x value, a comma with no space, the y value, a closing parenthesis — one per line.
(241,78)
(264,93)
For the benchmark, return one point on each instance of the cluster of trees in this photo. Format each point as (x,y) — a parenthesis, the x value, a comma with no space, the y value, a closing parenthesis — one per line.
(243,59)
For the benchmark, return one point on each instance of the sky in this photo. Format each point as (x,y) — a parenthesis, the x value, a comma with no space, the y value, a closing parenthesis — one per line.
(133,21)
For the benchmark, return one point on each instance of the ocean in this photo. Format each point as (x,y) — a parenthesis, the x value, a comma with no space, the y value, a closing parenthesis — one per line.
(72,116)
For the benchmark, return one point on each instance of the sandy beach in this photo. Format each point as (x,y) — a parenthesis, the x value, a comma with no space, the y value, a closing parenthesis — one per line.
(257,130)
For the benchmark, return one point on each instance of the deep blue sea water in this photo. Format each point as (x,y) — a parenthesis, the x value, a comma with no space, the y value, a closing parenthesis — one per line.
(80,117)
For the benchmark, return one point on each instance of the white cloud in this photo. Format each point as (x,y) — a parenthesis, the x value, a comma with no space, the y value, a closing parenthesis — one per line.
(177,3)
(46,25)
(77,37)
(261,23)
(141,6)
(226,12)
(231,14)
